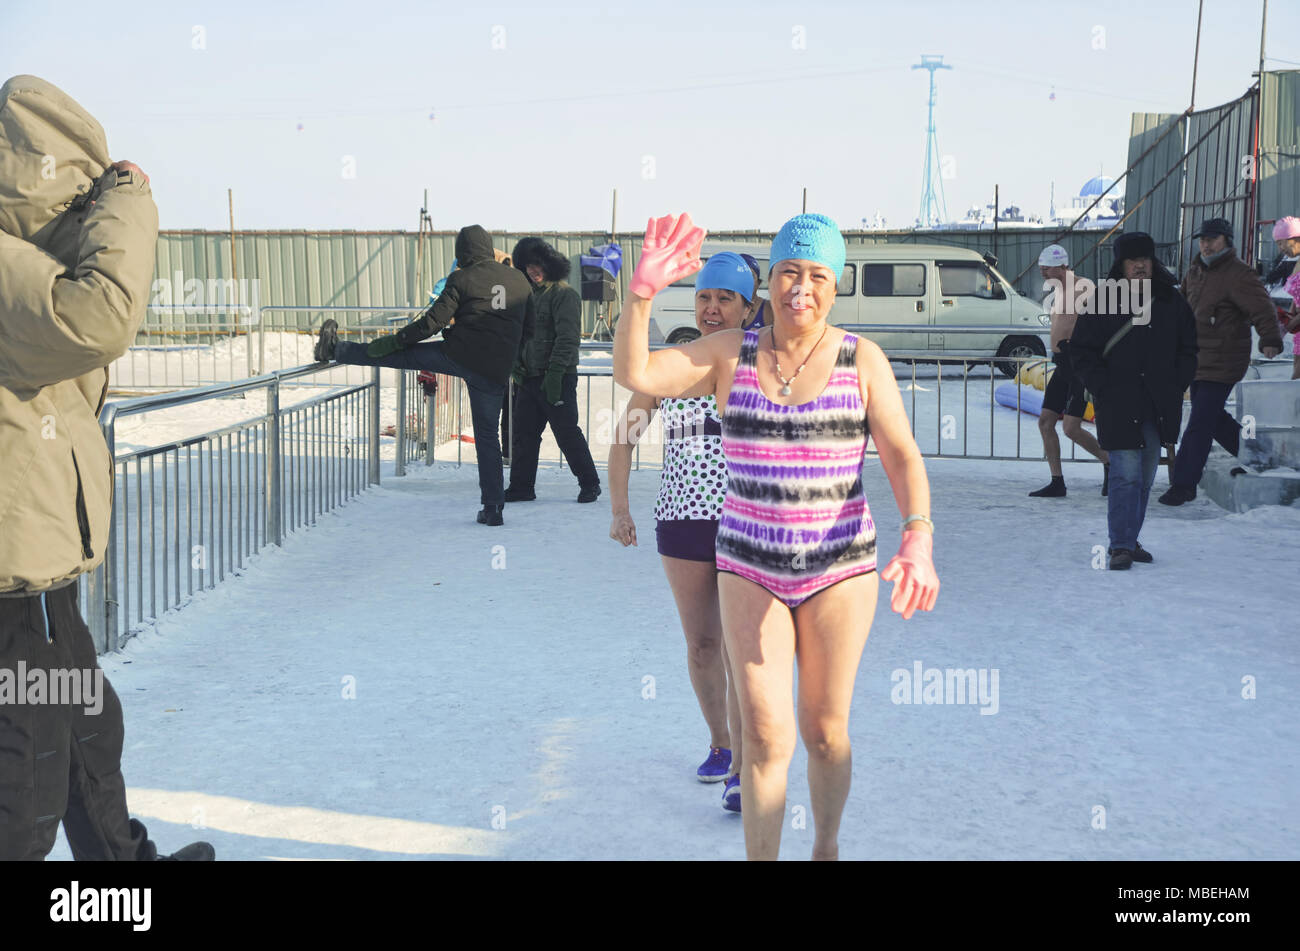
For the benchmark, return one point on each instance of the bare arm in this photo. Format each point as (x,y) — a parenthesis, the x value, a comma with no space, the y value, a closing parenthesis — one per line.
(667,372)
(636,418)
(892,433)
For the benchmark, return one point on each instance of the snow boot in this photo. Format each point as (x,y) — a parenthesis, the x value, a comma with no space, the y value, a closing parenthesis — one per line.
(329,336)
(1053,490)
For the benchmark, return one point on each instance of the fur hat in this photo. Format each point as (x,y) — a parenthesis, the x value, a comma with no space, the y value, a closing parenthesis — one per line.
(555,266)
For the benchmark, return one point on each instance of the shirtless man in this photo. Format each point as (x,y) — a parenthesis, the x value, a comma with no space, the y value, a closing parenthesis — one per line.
(1064,394)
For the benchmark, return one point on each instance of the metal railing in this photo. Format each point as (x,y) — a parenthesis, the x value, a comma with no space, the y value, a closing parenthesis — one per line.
(182,346)
(962,418)
(187,512)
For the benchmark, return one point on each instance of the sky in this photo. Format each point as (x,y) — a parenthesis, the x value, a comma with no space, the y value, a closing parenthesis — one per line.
(527,116)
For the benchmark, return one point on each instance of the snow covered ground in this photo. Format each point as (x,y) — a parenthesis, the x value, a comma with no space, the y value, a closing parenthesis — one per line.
(401,682)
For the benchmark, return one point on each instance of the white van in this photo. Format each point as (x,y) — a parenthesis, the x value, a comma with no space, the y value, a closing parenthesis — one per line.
(929,286)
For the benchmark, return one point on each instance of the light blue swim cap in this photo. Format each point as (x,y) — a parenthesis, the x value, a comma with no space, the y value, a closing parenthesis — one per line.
(726,271)
(809,238)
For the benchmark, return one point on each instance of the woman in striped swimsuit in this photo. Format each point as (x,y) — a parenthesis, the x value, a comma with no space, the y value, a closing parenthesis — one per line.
(691,489)
(796,543)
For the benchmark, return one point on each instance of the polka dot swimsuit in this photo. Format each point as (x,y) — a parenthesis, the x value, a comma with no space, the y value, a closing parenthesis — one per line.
(694,482)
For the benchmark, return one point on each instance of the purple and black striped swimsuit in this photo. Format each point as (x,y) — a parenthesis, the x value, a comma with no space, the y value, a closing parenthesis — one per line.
(795,519)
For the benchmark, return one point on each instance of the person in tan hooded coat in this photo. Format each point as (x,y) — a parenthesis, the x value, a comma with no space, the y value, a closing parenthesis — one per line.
(77,238)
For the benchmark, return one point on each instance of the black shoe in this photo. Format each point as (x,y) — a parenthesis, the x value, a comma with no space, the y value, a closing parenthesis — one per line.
(519,495)
(1053,490)
(589,494)
(491,515)
(194,852)
(329,336)
(1121,559)
(1140,554)
(1178,494)
(1105,479)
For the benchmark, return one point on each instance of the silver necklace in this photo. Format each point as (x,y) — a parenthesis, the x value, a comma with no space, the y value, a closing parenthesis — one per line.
(785,388)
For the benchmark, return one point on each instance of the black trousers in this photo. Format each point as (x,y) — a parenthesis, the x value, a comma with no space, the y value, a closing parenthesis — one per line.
(532,414)
(60,761)
(1208,423)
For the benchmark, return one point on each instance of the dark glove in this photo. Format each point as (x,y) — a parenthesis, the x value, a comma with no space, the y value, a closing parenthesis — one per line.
(552,385)
(383,346)
(517,374)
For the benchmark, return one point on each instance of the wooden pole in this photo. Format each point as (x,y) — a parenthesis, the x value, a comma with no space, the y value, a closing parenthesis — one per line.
(419,255)
(996,212)
(234,273)
(618,288)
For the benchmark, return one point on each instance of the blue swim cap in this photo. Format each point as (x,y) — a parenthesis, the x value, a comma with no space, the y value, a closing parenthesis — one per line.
(809,238)
(726,271)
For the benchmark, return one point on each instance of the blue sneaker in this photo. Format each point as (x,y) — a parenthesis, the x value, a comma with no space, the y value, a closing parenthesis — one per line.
(715,768)
(731,794)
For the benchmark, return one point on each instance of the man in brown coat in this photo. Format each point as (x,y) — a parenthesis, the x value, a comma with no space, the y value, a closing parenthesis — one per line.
(1227,297)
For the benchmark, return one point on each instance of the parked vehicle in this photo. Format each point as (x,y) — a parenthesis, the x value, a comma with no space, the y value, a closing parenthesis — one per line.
(923,286)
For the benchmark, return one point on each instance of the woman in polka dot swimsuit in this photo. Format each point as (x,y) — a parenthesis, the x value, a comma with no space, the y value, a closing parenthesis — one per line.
(691,491)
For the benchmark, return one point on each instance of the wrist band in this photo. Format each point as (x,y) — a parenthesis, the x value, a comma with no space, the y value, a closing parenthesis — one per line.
(918,518)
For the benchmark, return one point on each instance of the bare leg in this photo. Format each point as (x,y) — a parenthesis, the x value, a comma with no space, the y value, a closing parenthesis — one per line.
(759,633)
(1085,440)
(733,715)
(695,588)
(1051,442)
(831,631)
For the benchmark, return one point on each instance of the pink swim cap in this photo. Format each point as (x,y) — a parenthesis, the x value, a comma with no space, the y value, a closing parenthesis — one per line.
(1288,227)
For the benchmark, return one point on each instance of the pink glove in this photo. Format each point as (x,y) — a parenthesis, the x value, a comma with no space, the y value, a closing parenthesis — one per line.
(670,252)
(913,569)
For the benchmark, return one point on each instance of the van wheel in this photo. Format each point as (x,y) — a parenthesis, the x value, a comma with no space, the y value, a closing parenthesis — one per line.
(683,335)
(1018,347)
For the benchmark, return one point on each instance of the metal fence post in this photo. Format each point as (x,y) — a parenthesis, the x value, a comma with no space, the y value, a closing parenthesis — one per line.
(374,427)
(428,427)
(274,466)
(101,593)
(399,468)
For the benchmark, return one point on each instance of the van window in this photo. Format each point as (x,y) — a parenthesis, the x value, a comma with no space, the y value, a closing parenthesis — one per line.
(966,279)
(848,281)
(893,280)
(762,274)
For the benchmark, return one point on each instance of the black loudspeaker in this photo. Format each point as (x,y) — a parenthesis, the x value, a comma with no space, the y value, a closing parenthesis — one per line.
(597,283)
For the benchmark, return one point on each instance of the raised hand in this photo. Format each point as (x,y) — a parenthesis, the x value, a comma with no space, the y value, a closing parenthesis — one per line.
(125,166)
(912,568)
(670,252)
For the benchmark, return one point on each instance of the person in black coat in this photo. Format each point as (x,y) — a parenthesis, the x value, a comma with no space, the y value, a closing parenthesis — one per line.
(1136,355)
(492,305)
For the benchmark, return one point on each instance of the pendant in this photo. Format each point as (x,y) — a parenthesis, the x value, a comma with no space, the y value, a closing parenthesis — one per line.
(785,390)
